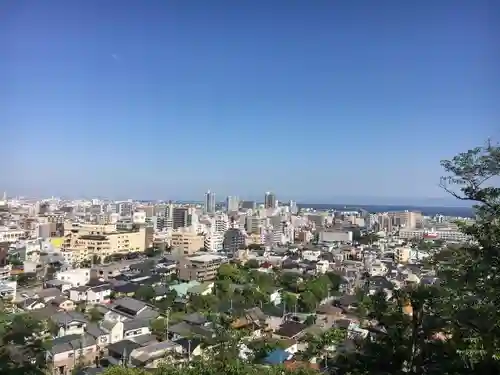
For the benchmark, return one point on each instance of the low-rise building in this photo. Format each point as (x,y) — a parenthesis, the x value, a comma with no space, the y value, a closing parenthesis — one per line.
(75,277)
(85,241)
(201,267)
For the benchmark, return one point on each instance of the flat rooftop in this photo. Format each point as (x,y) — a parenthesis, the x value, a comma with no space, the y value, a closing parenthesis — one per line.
(203,258)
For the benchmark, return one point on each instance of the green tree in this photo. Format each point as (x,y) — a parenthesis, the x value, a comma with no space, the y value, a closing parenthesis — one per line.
(151,252)
(318,345)
(159,328)
(22,345)
(145,293)
(308,301)
(470,276)
(229,272)
(252,263)
(95,315)
(290,300)
(453,328)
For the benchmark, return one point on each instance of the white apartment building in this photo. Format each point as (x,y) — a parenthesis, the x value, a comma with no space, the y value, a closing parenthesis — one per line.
(75,277)
(335,236)
(442,234)
(214,241)
(5,273)
(11,234)
(8,290)
(139,217)
(220,223)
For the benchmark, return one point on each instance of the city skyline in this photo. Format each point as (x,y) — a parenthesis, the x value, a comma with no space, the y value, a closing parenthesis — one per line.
(448,202)
(326,101)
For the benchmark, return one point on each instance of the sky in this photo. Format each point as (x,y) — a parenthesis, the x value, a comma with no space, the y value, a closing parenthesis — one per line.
(320,101)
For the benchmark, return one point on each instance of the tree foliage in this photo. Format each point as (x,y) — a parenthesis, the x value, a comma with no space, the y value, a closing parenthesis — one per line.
(22,345)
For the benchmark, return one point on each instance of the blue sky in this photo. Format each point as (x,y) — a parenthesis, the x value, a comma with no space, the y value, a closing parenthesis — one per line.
(318,100)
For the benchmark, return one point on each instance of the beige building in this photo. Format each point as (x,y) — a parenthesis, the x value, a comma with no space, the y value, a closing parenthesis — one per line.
(402,254)
(200,267)
(187,242)
(400,219)
(83,241)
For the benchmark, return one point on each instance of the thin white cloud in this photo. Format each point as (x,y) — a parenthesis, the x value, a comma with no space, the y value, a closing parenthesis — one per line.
(115,56)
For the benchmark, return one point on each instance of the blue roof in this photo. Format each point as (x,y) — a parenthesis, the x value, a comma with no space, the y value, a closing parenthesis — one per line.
(182,288)
(277,357)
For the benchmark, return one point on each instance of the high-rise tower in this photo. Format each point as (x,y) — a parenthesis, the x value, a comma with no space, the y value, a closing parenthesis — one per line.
(269,200)
(209,202)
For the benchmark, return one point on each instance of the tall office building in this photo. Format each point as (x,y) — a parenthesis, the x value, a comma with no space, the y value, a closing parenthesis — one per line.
(210,202)
(269,200)
(249,205)
(180,217)
(293,207)
(232,204)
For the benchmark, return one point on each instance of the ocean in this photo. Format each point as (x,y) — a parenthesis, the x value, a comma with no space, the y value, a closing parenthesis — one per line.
(427,211)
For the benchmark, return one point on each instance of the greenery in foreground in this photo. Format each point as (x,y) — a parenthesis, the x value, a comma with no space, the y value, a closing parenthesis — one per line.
(454,328)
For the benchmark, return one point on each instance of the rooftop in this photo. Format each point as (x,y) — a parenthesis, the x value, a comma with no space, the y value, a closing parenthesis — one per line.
(204,258)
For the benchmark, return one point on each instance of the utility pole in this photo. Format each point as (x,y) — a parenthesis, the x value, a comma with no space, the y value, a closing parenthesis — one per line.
(166,325)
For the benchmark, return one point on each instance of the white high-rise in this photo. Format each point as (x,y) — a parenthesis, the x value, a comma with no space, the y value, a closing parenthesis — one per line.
(232,204)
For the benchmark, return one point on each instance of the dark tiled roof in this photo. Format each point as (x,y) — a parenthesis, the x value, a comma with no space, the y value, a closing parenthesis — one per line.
(290,329)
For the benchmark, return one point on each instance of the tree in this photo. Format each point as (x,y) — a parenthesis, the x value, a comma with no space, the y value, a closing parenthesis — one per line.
(289,300)
(229,272)
(252,263)
(151,252)
(95,315)
(308,301)
(22,346)
(159,328)
(453,328)
(318,345)
(471,277)
(145,293)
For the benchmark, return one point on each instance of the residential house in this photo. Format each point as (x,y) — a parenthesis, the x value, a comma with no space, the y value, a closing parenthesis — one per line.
(119,352)
(125,288)
(352,327)
(66,352)
(29,304)
(347,302)
(191,347)
(130,308)
(91,294)
(191,326)
(153,355)
(290,329)
(100,335)
(203,289)
(253,320)
(182,288)
(62,303)
(69,323)
(113,329)
(275,297)
(47,294)
(136,327)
